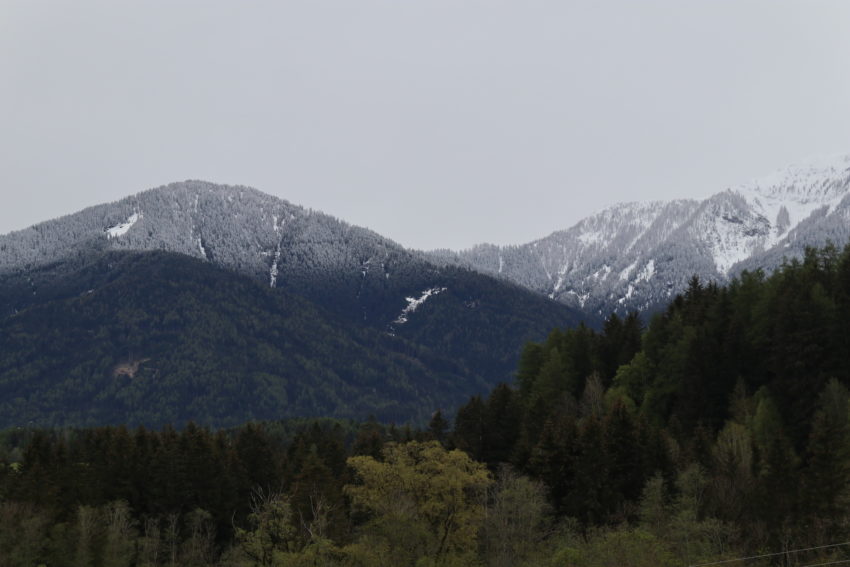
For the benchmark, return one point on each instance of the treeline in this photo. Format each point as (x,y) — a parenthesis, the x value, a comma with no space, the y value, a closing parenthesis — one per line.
(329,495)
(733,403)
(169,497)
(721,430)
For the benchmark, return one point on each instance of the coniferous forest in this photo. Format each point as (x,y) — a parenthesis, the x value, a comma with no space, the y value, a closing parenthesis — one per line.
(718,430)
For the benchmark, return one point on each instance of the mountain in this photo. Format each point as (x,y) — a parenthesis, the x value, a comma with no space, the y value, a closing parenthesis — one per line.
(223,304)
(237,228)
(639,255)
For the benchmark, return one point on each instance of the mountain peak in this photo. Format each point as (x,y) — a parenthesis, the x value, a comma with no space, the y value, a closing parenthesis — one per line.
(821,180)
(638,255)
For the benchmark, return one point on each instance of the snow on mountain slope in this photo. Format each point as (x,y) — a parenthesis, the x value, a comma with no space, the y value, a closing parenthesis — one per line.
(628,256)
(637,255)
(775,205)
(122,228)
(240,229)
(236,227)
(413,303)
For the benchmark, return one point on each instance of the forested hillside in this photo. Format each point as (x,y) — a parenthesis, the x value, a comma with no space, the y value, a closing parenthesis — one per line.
(720,431)
(154,338)
(724,426)
(351,272)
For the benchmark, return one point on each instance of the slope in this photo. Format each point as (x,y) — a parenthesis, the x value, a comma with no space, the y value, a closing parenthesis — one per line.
(639,255)
(156,337)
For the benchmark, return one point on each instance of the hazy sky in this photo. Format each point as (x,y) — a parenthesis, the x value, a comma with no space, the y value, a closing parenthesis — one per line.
(435,123)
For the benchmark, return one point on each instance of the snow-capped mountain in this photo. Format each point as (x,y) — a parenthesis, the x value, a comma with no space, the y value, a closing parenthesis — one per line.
(454,332)
(628,256)
(638,255)
(235,227)
(240,229)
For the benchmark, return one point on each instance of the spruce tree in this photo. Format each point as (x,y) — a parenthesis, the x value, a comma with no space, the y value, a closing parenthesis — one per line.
(827,469)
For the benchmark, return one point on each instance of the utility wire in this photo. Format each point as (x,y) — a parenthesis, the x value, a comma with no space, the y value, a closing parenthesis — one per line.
(775,554)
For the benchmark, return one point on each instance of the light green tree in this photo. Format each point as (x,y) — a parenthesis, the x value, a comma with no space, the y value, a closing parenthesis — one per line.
(516,523)
(198,549)
(150,544)
(425,506)
(23,534)
(272,533)
(87,526)
(621,547)
(119,547)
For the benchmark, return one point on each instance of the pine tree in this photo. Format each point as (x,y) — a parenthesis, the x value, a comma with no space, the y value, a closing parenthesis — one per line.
(827,470)
(469,434)
(625,453)
(554,459)
(590,499)
(437,427)
(502,425)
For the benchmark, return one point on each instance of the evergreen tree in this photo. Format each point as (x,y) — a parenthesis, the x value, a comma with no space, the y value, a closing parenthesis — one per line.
(437,427)
(501,425)
(554,460)
(827,468)
(469,431)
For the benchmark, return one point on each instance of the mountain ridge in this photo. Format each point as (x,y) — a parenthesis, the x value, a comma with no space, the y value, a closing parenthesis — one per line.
(403,349)
(629,256)
(638,255)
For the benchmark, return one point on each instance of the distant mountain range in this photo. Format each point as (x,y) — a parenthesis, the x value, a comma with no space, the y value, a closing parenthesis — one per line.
(637,256)
(222,304)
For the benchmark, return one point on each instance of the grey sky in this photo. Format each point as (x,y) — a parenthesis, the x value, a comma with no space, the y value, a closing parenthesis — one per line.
(435,123)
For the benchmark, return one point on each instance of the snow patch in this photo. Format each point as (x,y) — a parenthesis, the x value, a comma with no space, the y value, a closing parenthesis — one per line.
(647,272)
(806,180)
(602,273)
(545,270)
(591,237)
(627,272)
(364,267)
(562,271)
(557,287)
(121,229)
(581,297)
(729,248)
(413,303)
(202,249)
(800,189)
(273,271)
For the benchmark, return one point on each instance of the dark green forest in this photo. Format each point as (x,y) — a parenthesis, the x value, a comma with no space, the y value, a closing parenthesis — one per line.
(719,430)
(155,338)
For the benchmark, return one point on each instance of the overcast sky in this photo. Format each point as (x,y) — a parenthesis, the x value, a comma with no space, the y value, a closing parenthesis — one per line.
(435,123)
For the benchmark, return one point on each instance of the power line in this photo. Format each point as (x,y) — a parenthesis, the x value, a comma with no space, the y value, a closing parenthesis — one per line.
(775,554)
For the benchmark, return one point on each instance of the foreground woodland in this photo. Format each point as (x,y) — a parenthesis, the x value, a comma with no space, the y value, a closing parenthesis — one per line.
(721,430)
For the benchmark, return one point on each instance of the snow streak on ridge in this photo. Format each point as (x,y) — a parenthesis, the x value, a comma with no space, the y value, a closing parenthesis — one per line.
(413,303)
